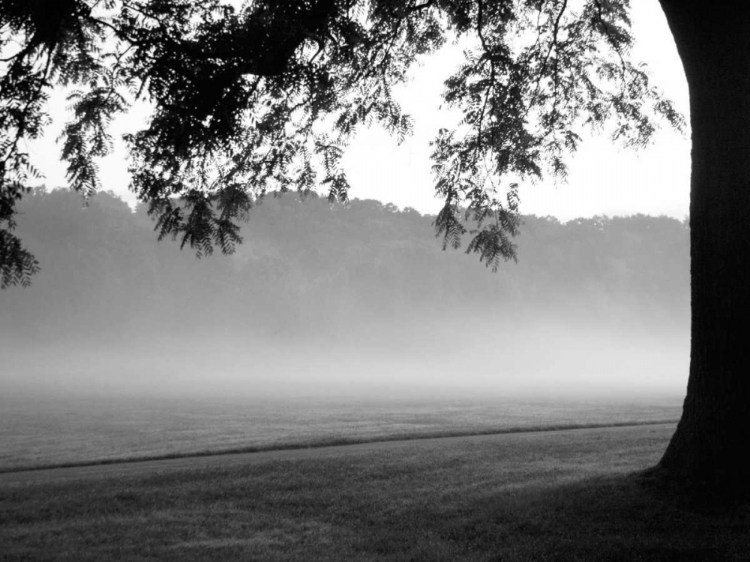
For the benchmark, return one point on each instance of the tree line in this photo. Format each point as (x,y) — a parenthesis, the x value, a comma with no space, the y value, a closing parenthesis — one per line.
(308,263)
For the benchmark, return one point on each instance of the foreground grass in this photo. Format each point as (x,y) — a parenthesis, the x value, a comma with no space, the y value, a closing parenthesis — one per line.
(565,496)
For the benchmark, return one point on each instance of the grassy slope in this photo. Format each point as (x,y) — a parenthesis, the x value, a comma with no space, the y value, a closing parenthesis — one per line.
(567,496)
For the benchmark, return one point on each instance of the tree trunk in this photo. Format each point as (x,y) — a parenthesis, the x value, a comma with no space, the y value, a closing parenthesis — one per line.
(712,438)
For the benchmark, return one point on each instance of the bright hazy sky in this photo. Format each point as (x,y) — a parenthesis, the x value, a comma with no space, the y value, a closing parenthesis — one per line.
(604,179)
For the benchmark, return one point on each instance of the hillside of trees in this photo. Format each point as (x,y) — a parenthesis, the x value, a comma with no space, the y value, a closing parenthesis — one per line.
(332,276)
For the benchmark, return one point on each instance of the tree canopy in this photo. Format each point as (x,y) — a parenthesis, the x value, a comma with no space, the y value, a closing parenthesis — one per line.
(266,96)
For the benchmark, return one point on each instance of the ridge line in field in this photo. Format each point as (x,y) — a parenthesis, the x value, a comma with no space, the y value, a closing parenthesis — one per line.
(331,442)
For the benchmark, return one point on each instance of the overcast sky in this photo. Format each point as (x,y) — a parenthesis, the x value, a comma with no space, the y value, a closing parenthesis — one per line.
(604,179)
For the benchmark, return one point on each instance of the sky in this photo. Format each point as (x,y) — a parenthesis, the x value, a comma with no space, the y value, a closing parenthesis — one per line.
(604,179)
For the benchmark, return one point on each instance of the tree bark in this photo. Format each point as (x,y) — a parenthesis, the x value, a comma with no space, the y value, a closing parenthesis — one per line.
(711,441)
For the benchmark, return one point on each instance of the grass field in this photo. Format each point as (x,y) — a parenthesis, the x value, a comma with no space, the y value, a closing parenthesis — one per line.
(60,428)
(535,496)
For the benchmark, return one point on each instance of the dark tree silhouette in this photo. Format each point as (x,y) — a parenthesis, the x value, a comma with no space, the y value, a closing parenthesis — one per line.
(715,51)
(241,97)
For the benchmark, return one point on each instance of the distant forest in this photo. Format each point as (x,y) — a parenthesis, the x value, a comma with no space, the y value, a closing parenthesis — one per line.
(309,268)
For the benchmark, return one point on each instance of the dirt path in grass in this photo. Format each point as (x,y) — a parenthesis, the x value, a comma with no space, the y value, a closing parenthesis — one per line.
(228,460)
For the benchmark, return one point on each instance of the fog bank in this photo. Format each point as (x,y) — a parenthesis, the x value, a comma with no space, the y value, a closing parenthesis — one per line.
(322,300)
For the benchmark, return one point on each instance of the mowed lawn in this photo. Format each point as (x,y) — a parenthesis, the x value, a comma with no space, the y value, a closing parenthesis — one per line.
(567,495)
(70,428)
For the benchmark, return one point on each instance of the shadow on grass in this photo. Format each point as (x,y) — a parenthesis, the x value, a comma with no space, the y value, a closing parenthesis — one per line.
(615,518)
(346,513)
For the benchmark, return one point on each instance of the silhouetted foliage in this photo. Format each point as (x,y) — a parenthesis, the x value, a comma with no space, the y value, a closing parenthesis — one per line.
(267,96)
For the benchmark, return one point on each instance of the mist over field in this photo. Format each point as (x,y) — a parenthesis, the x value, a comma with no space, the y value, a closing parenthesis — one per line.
(322,300)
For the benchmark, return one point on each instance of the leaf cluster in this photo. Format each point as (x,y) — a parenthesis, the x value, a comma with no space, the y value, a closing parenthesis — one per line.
(266,97)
